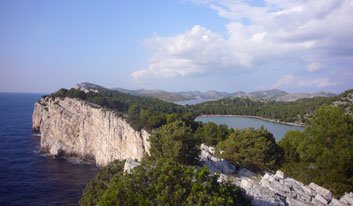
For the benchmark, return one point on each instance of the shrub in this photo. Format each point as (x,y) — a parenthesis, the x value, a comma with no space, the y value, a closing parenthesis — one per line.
(175,141)
(165,183)
(254,149)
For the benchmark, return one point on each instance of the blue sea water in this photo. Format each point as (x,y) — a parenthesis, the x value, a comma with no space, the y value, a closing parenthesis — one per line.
(28,177)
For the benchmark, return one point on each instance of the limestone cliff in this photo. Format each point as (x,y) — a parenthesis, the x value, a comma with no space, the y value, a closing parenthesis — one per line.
(76,128)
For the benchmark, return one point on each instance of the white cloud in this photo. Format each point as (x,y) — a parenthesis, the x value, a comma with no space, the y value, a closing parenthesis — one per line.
(313,67)
(291,80)
(303,30)
(285,80)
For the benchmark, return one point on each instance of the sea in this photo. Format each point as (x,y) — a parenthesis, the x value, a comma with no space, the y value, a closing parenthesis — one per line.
(28,177)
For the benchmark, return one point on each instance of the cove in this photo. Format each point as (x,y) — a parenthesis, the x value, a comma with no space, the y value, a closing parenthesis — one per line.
(237,122)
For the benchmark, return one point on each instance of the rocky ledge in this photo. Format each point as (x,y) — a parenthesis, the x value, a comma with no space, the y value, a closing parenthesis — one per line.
(271,189)
(73,127)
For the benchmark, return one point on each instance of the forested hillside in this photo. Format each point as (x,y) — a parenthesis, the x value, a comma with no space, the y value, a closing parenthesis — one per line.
(293,112)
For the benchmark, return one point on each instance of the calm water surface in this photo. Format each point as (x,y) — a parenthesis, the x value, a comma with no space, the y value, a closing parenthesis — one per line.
(28,177)
(278,130)
(194,101)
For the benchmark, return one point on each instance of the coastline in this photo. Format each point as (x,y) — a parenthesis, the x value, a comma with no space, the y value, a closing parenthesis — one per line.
(249,116)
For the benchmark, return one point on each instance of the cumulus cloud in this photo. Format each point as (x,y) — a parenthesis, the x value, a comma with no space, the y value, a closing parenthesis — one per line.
(292,80)
(280,29)
(285,80)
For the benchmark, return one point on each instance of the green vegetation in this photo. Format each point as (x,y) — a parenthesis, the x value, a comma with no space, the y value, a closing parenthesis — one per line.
(175,141)
(297,111)
(323,153)
(211,133)
(160,183)
(254,149)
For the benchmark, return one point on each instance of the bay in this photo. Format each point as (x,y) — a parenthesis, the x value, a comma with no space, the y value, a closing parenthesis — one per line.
(237,122)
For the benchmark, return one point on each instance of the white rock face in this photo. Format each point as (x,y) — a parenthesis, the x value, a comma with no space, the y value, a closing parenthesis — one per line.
(77,128)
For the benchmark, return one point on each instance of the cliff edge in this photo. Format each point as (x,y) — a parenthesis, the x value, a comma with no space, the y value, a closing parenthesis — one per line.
(72,127)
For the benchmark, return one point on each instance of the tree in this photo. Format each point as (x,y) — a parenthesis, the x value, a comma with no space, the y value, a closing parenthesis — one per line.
(162,183)
(290,144)
(211,133)
(325,151)
(254,149)
(175,141)
(328,127)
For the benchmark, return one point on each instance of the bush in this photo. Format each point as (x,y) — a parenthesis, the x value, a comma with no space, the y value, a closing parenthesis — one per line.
(165,183)
(290,144)
(97,187)
(175,141)
(211,133)
(254,149)
(323,153)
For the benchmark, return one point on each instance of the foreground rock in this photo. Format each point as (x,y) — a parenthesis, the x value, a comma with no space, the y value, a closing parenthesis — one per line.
(73,127)
(272,189)
(213,163)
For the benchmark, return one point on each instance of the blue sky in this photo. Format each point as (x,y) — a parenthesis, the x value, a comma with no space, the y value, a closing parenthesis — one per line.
(177,45)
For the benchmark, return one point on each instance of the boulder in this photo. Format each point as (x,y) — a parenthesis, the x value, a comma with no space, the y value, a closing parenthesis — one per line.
(296,202)
(279,174)
(335,202)
(321,199)
(325,193)
(347,198)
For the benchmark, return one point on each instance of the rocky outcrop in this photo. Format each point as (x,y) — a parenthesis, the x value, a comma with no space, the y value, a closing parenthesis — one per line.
(74,127)
(271,189)
(213,163)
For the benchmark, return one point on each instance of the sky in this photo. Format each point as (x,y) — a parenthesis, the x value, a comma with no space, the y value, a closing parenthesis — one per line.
(177,45)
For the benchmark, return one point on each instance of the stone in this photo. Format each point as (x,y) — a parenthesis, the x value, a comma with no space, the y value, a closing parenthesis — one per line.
(243,172)
(325,193)
(317,202)
(309,191)
(272,189)
(213,163)
(73,127)
(303,197)
(347,198)
(130,164)
(335,202)
(279,174)
(280,189)
(296,202)
(321,198)
(268,177)
(246,183)
(222,178)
